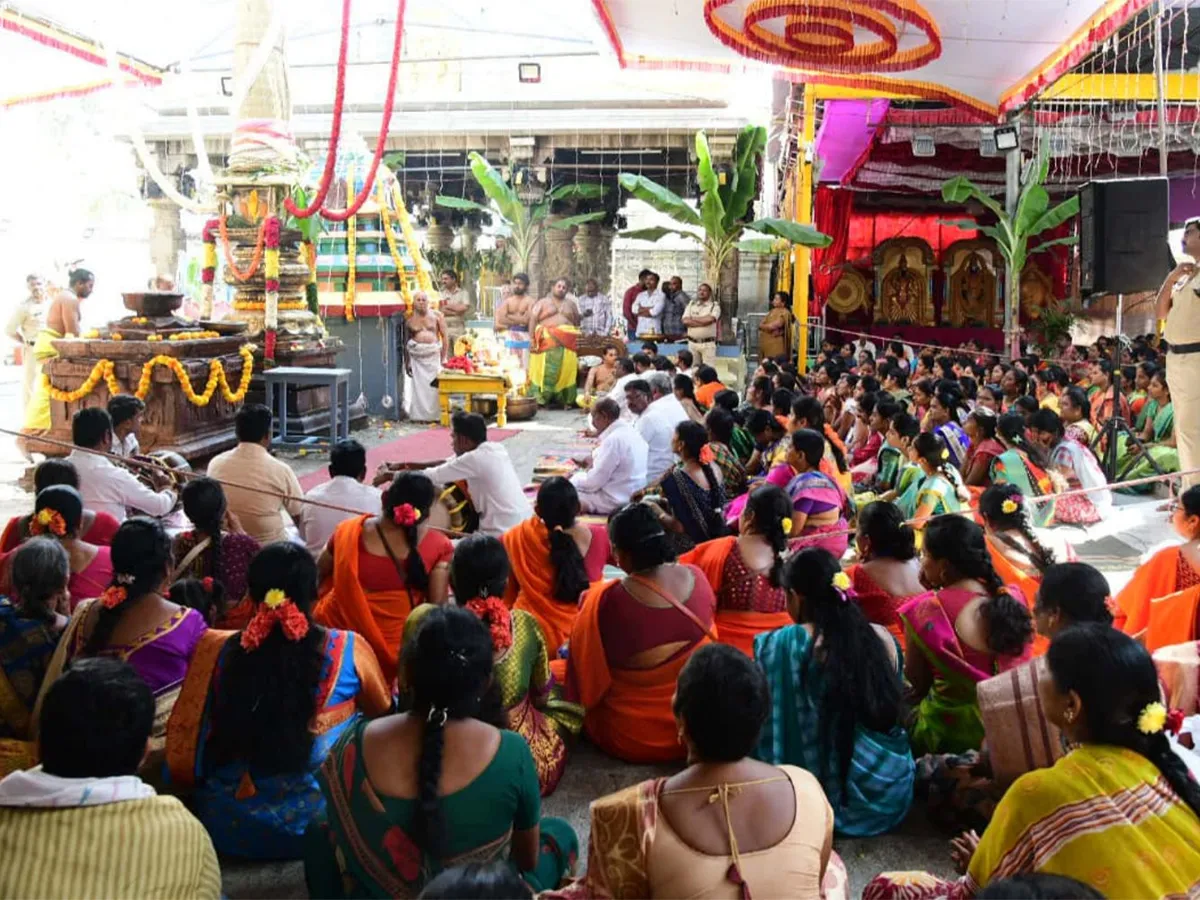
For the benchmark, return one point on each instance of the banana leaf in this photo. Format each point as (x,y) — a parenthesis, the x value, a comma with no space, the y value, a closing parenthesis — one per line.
(751,143)
(310,228)
(1052,218)
(803,235)
(459,203)
(964,224)
(662,199)
(657,234)
(577,192)
(759,245)
(960,189)
(496,188)
(1057,242)
(572,221)
(712,208)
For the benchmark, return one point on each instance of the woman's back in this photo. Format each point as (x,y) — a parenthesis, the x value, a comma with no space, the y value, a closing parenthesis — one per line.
(900,578)
(780,836)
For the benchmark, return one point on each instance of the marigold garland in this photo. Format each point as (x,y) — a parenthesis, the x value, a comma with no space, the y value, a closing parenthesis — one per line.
(351,248)
(194,335)
(401,274)
(424,281)
(216,378)
(261,306)
(255,260)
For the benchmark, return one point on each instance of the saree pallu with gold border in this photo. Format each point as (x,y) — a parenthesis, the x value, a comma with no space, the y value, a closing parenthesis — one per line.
(554,365)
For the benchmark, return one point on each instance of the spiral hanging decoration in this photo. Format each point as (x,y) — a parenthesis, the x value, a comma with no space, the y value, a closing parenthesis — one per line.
(820,34)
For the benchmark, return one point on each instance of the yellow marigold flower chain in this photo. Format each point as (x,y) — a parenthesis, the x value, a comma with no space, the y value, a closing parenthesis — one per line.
(385,221)
(216,378)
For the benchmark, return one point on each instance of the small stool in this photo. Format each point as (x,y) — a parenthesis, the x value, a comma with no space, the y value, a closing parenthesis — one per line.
(338,382)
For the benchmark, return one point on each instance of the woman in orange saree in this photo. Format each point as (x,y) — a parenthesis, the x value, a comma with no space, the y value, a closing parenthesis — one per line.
(554,558)
(889,575)
(745,570)
(378,568)
(1160,603)
(632,638)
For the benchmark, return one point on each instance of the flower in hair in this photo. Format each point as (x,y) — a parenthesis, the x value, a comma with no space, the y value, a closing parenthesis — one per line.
(1174,723)
(706,455)
(493,612)
(48,520)
(124,578)
(207,584)
(786,524)
(277,608)
(1152,718)
(1009,506)
(406,515)
(113,596)
(945,454)
(841,581)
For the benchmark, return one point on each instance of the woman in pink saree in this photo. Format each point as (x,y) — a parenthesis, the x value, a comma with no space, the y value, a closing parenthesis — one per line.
(971,628)
(818,501)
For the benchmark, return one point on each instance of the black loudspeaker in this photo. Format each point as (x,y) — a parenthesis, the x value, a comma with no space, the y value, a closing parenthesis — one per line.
(1123,235)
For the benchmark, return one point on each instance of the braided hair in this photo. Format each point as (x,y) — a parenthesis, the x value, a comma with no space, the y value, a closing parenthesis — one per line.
(141,562)
(961,543)
(862,684)
(1115,680)
(415,489)
(882,524)
(991,507)
(204,504)
(932,448)
(634,530)
(558,508)
(448,670)
(768,505)
(1011,429)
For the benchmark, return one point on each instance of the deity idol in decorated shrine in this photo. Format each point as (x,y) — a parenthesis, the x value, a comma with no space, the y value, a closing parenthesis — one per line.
(192,375)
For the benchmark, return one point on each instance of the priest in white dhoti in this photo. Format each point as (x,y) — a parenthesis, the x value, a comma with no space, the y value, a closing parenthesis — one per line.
(428,347)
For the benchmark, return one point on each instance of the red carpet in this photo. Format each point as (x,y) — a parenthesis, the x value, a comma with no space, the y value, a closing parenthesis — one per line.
(432,443)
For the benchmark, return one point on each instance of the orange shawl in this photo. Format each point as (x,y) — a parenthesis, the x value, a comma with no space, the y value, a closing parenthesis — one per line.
(706,393)
(1152,609)
(737,628)
(628,710)
(531,582)
(380,618)
(1028,583)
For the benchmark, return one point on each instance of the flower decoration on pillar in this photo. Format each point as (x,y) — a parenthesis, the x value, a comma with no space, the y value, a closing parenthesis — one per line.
(351,249)
(243,275)
(271,230)
(820,35)
(424,281)
(385,221)
(208,272)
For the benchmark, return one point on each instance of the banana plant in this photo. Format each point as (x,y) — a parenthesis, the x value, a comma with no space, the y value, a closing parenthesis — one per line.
(720,225)
(1012,234)
(524,222)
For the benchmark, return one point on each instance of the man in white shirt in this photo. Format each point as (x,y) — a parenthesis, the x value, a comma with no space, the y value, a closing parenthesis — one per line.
(487,469)
(345,488)
(250,463)
(106,487)
(648,307)
(625,374)
(126,411)
(659,412)
(595,310)
(617,467)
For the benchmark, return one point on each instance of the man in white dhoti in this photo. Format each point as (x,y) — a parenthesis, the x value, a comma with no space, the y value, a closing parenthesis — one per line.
(428,347)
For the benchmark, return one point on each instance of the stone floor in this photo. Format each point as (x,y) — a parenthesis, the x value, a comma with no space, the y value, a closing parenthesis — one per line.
(1115,546)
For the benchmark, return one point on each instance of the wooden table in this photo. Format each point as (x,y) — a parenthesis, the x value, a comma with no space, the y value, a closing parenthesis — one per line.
(450,383)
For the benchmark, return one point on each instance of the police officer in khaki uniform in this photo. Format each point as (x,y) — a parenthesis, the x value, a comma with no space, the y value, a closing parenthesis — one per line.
(700,318)
(1179,304)
(23,326)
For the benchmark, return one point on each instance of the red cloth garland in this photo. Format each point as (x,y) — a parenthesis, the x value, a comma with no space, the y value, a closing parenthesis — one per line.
(293,622)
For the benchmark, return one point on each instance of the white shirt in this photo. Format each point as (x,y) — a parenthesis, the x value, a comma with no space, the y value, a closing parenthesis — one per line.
(492,483)
(657,427)
(316,523)
(618,466)
(652,323)
(127,446)
(109,488)
(618,394)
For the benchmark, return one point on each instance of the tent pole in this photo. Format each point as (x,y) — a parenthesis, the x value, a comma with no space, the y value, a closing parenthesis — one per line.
(1160,89)
(1012,192)
(803,215)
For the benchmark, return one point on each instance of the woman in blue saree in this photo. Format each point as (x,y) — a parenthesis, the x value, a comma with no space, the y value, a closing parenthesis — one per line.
(946,411)
(839,712)
(260,709)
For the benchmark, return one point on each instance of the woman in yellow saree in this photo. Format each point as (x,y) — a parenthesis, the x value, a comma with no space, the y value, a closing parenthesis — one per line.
(1119,813)
(775,330)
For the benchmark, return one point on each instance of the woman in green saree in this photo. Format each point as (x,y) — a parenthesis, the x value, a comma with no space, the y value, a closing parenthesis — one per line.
(1157,433)
(1025,465)
(938,489)
(410,795)
(970,628)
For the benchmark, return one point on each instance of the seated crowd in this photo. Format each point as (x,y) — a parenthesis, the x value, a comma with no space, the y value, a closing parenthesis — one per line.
(390,706)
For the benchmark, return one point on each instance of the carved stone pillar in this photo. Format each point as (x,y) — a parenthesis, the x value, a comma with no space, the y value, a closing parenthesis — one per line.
(593,255)
(557,260)
(439,236)
(468,237)
(166,238)
(754,283)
